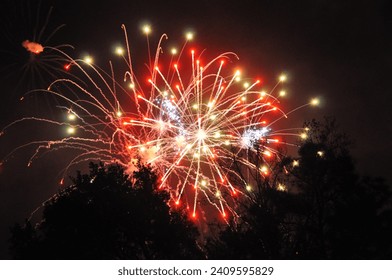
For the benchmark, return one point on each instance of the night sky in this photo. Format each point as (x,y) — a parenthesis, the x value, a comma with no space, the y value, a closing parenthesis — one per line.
(340,51)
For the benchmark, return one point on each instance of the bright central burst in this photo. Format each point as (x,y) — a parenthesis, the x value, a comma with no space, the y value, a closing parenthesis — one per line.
(192,132)
(196,127)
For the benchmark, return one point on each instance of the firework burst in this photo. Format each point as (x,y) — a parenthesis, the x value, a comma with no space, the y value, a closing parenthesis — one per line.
(189,124)
(27,30)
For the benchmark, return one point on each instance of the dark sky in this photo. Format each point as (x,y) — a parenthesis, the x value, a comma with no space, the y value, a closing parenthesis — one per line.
(338,50)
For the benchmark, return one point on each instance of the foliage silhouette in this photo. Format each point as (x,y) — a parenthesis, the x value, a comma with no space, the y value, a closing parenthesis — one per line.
(106,215)
(344,212)
(327,212)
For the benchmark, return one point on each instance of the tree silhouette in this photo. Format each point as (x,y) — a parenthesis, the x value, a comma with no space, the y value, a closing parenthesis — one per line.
(257,235)
(327,211)
(259,232)
(343,214)
(107,215)
(326,181)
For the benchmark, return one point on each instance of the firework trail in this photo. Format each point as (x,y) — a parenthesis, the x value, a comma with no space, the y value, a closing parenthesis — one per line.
(190,125)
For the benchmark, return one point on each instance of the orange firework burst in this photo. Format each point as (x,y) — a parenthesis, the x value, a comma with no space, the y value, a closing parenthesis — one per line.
(194,126)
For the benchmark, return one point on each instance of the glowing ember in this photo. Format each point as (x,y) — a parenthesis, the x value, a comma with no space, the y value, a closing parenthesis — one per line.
(33,47)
